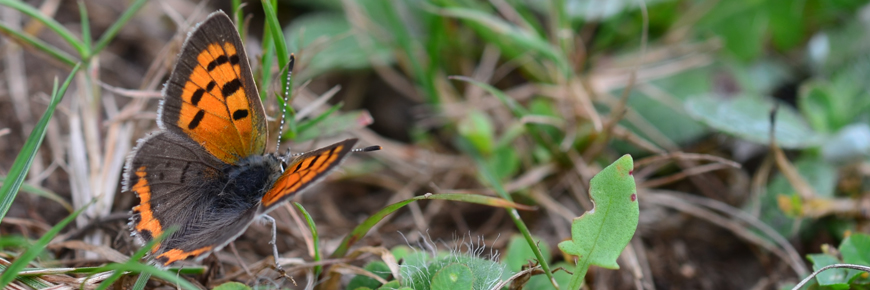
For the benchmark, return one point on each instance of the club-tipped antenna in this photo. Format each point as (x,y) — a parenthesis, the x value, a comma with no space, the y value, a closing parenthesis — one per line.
(284,107)
(368,149)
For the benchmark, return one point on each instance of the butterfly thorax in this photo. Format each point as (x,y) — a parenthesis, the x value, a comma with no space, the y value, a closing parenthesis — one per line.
(248,180)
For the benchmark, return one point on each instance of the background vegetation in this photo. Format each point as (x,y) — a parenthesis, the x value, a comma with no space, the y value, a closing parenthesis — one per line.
(521,100)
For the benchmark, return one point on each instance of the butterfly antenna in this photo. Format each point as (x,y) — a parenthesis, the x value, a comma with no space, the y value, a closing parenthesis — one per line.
(284,107)
(367,149)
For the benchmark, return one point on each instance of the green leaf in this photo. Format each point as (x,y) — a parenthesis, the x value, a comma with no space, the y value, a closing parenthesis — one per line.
(454,276)
(392,285)
(836,278)
(519,253)
(232,286)
(749,118)
(477,128)
(855,249)
(600,235)
(849,144)
(376,267)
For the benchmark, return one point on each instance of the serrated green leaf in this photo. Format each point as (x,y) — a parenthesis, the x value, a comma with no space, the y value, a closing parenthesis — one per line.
(600,235)
(454,276)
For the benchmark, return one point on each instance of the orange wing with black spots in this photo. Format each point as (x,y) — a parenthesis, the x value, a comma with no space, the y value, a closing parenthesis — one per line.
(211,96)
(305,170)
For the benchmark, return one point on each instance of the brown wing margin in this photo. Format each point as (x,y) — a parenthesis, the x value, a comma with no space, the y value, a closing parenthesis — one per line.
(211,96)
(306,170)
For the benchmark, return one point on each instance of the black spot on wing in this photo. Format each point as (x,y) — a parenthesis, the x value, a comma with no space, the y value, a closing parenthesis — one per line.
(231,88)
(197,95)
(196,119)
(240,114)
(210,86)
(217,61)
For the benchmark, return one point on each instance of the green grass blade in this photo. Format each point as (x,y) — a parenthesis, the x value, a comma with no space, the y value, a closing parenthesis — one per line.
(116,27)
(493,182)
(277,37)
(361,230)
(141,281)
(238,15)
(313,122)
(52,24)
(86,26)
(25,258)
(315,237)
(28,40)
(42,192)
(22,163)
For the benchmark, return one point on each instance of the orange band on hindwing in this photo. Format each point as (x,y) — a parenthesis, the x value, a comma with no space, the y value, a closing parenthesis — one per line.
(174,255)
(147,225)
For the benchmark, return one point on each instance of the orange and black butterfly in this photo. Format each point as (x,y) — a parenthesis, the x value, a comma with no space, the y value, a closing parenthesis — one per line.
(205,171)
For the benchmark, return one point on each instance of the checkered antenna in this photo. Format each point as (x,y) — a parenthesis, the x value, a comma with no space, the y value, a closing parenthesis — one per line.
(284,107)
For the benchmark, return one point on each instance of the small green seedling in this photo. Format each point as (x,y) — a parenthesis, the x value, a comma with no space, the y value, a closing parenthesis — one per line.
(600,235)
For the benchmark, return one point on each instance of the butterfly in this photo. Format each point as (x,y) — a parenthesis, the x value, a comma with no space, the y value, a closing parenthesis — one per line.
(205,171)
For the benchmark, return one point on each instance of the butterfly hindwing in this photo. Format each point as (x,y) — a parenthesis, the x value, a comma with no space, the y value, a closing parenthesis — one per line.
(305,170)
(178,184)
(211,96)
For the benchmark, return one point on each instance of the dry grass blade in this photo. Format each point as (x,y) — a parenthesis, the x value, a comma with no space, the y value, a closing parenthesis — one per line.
(683,174)
(686,203)
(346,269)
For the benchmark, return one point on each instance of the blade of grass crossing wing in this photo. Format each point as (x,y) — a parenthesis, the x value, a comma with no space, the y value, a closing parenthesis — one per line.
(363,228)
(49,22)
(27,39)
(315,238)
(22,163)
(492,181)
(116,27)
(25,258)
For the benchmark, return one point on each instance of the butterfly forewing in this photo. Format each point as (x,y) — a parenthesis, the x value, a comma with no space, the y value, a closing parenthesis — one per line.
(305,170)
(211,96)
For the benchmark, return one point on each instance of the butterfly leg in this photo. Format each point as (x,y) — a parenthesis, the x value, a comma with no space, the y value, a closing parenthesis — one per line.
(274,244)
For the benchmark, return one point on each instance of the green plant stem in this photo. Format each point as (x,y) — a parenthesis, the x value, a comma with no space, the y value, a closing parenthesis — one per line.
(489,178)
